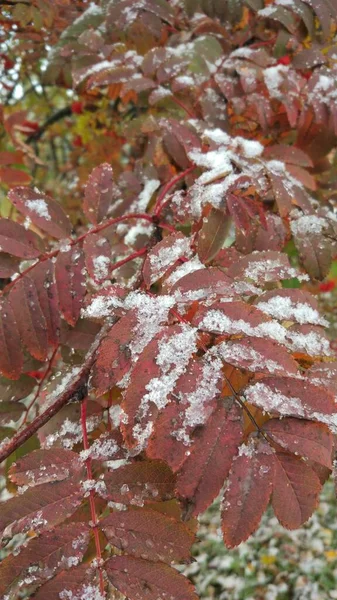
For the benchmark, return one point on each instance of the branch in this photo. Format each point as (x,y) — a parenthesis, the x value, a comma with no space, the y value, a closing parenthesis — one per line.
(75,392)
(60,114)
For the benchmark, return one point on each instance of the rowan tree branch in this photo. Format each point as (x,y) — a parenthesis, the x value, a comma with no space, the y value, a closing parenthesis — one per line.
(74,392)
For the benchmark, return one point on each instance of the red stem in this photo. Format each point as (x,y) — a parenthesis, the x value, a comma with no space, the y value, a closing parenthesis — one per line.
(94,518)
(42,380)
(132,256)
(184,107)
(159,204)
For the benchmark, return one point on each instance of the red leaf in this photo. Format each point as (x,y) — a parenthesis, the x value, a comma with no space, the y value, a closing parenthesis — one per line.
(258,355)
(8,265)
(293,397)
(148,534)
(312,440)
(288,154)
(113,355)
(18,241)
(201,284)
(52,551)
(97,253)
(42,210)
(202,475)
(154,377)
(295,492)
(290,305)
(70,281)
(164,255)
(262,267)
(214,230)
(42,466)
(43,275)
(131,576)
(100,193)
(247,494)
(30,319)
(11,176)
(139,482)
(40,507)
(11,358)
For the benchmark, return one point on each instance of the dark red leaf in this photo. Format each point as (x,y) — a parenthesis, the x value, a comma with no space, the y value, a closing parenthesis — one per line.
(42,466)
(100,193)
(43,275)
(295,492)
(202,475)
(258,355)
(18,241)
(248,492)
(30,319)
(52,551)
(164,255)
(214,230)
(11,358)
(139,482)
(97,252)
(148,534)
(131,576)
(70,281)
(304,438)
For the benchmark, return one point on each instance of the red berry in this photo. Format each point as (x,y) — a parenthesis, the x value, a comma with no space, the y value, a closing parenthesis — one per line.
(327,286)
(77,107)
(284,60)
(77,141)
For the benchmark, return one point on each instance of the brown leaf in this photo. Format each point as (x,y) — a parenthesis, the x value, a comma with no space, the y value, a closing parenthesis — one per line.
(140,482)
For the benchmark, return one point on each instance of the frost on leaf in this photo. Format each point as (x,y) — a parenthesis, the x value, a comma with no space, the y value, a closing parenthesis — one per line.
(258,355)
(291,305)
(248,492)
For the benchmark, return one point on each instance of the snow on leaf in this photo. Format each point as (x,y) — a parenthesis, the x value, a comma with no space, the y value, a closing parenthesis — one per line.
(164,255)
(192,402)
(149,534)
(41,507)
(97,252)
(316,242)
(42,466)
(59,549)
(292,397)
(18,241)
(262,267)
(304,438)
(42,210)
(100,193)
(258,355)
(140,482)
(201,284)
(296,490)
(291,305)
(131,576)
(154,376)
(201,476)
(248,492)
(29,317)
(11,357)
(70,281)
